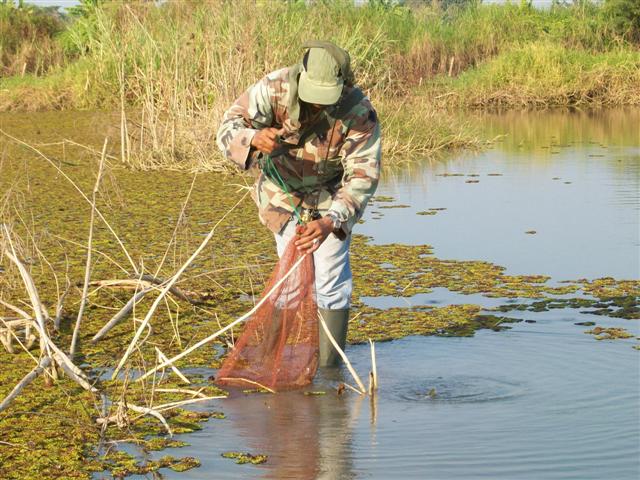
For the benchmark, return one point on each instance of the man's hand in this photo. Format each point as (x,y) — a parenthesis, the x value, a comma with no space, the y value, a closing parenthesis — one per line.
(311,235)
(266,140)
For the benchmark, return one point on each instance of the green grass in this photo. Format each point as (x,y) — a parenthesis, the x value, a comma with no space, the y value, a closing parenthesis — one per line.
(542,74)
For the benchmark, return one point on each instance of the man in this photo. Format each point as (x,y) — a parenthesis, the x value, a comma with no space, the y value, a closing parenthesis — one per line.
(316,139)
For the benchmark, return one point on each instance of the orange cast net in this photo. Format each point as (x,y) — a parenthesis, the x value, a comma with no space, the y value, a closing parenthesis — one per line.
(278,348)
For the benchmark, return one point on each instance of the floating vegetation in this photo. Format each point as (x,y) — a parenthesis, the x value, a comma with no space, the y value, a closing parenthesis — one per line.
(242,458)
(431,211)
(618,307)
(418,271)
(446,174)
(395,206)
(313,393)
(382,198)
(609,333)
(530,232)
(608,287)
(61,440)
(494,174)
(160,443)
(447,321)
(121,464)
(472,181)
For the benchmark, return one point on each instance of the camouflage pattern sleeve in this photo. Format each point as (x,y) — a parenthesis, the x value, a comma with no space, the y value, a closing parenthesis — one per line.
(248,114)
(361,155)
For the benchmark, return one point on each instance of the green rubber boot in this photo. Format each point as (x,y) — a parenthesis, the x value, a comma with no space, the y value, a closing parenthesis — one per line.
(337,321)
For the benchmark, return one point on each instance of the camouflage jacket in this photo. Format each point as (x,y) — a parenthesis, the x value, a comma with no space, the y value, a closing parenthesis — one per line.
(335,168)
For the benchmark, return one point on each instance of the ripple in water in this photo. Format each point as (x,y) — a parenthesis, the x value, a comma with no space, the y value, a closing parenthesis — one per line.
(458,389)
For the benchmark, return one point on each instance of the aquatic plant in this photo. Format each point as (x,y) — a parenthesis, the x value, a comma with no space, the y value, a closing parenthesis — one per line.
(609,333)
(241,457)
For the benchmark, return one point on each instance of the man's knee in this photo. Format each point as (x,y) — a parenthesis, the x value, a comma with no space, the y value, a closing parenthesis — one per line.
(334,297)
(334,283)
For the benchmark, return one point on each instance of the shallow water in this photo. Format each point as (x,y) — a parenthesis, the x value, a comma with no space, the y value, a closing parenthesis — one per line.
(540,400)
(586,228)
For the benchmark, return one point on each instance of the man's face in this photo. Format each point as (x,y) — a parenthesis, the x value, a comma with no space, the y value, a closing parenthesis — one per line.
(316,107)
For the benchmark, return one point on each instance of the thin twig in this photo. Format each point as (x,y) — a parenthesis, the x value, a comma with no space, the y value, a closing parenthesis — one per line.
(163,358)
(168,406)
(87,271)
(194,393)
(61,299)
(175,230)
(342,354)
(52,163)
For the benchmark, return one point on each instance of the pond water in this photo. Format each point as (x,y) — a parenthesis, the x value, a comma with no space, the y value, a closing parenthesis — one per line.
(540,400)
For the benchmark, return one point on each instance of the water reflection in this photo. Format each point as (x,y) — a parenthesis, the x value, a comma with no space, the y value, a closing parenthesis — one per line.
(304,436)
(573,178)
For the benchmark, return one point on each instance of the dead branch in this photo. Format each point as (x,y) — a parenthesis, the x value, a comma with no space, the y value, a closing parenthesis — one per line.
(163,358)
(121,315)
(177,292)
(144,410)
(47,347)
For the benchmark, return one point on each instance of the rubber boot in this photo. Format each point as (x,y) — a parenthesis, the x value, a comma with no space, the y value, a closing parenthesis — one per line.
(337,321)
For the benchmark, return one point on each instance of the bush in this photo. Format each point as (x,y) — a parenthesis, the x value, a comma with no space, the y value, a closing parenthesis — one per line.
(27,42)
(625,17)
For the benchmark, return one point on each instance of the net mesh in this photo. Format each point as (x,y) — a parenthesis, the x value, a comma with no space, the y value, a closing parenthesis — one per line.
(278,348)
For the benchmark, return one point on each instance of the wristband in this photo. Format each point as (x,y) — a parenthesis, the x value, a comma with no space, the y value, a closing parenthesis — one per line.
(334,218)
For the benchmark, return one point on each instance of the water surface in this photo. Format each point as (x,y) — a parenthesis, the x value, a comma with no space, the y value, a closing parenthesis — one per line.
(539,401)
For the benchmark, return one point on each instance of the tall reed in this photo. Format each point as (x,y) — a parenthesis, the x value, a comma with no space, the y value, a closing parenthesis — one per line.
(172,69)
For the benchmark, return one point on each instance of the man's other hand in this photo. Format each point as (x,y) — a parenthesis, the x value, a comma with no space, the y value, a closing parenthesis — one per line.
(266,140)
(311,235)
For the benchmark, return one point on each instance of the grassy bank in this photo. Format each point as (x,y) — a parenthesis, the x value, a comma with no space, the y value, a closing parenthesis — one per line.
(178,66)
(543,74)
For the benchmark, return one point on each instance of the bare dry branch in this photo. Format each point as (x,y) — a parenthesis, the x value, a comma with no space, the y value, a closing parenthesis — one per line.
(87,271)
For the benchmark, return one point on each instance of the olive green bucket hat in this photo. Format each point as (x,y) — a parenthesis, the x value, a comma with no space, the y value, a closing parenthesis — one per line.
(325,69)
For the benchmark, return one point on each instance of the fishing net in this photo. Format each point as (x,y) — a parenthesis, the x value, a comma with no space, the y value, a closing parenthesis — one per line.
(278,348)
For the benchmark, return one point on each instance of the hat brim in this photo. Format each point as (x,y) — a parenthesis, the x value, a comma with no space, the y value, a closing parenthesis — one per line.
(311,92)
